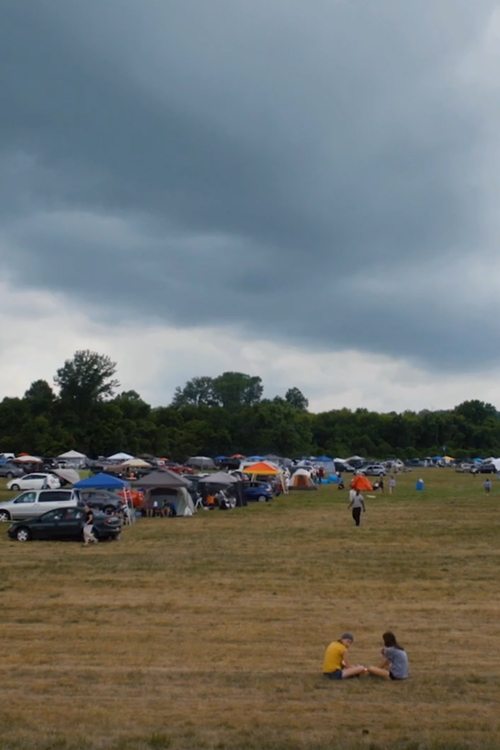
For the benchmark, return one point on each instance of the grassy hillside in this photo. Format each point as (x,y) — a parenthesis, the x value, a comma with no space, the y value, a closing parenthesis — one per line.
(209,632)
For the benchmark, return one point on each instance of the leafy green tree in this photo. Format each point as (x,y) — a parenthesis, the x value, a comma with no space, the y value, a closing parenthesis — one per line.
(197,392)
(235,389)
(86,379)
(39,398)
(296,398)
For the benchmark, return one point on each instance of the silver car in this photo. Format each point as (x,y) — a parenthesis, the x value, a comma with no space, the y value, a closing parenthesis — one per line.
(33,503)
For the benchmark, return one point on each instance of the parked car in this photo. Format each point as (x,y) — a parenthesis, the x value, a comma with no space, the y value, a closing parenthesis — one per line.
(35,503)
(35,481)
(260,491)
(374,470)
(103,500)
(64,523)
(486,468)
(10,470)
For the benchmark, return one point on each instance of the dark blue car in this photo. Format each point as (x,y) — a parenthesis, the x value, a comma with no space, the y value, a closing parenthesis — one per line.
(259,491)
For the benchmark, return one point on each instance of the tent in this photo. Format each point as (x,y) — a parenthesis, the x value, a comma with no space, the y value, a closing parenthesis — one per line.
(301,480)
(73,459)
(167,488)
(201,462)
(261,468)
(120,457)
(360,482)
(220,478)
(69,475)
(26,459)
(164,478)
(101,481)
(136,463)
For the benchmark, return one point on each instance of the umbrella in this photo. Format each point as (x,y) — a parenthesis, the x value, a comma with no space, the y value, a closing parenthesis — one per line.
(24,458)
(136,463)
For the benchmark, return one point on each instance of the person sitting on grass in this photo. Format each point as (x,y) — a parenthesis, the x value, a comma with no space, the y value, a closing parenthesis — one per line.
(335,663)
(395,664)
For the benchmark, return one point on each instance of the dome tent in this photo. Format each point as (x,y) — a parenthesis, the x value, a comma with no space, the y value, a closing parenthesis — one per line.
(301,480)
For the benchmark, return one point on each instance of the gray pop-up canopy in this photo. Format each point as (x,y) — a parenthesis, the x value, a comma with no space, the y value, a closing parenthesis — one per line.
(164,478)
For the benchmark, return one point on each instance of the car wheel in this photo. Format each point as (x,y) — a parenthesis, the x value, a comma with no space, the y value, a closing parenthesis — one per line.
(15,487)
(23,534)
(4,516)
(9,475)
(262,499)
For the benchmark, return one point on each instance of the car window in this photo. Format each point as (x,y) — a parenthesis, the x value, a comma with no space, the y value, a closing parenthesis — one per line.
(26,497)
(71,514)
(52,515)
(46,496)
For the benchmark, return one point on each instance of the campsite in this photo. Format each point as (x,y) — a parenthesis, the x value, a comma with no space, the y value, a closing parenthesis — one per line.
(209,631)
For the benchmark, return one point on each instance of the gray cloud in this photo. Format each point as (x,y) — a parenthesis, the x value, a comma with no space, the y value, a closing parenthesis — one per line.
(310,170)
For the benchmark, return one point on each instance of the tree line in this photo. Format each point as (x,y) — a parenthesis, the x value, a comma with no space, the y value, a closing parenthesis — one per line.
(83,410)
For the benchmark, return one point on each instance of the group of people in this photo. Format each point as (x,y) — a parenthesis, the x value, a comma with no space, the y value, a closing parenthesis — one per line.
(394,665)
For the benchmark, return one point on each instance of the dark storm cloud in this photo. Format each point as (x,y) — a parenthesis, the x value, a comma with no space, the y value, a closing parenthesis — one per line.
(296,168)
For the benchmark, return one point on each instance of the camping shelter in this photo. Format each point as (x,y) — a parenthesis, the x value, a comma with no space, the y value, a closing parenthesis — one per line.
(201,462)
(120,457)
(101,481)
(73,459)
(262,469)
(167,488)
(360,482)
(301,480)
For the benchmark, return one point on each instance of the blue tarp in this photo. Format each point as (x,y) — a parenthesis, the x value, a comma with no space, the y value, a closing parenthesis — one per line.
(101,481)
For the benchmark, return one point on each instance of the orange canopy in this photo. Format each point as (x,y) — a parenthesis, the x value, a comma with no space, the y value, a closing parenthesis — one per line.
(261,467)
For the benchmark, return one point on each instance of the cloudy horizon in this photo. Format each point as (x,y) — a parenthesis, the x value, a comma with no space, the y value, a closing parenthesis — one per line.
(304,192)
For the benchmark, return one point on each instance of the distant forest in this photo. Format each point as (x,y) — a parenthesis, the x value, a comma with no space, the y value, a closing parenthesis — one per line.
(83,410)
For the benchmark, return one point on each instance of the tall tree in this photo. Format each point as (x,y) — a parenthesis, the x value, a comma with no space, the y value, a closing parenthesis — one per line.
(235,389)
(86,379)
(39,398)
(296,398)
(197,392)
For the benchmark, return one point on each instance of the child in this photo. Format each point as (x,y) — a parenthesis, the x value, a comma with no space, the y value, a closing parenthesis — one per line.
(395,664)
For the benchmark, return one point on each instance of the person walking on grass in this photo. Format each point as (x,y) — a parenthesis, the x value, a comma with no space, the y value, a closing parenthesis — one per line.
(392,484)
(357,503)
(335,663)
(395,660)
(88,528)
(487,486)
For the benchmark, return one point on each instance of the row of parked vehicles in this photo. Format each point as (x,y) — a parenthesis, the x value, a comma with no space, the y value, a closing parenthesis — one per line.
(60,514)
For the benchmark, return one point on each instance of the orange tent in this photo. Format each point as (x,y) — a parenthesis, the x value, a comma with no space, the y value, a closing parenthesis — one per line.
(360,482)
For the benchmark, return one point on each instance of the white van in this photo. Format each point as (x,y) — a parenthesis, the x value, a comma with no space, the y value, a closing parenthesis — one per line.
(35,502)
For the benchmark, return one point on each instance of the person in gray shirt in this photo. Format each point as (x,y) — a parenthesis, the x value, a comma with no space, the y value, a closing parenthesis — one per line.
(395,664)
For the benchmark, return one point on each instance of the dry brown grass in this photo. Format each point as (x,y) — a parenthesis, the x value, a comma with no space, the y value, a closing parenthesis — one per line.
(209,632)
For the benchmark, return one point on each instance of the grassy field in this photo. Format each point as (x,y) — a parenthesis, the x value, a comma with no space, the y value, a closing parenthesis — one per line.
(209,632)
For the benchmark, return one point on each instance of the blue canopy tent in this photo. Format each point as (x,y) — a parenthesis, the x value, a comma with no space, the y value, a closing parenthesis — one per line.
(101,481)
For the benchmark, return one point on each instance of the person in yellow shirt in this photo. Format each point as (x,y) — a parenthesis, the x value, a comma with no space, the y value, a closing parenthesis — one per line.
(335,663)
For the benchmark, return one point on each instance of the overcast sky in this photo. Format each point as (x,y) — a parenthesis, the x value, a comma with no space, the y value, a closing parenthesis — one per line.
(305,191)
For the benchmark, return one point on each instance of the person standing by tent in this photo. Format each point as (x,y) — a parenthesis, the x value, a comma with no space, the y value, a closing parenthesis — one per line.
(357,503)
